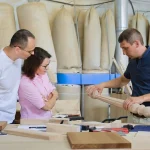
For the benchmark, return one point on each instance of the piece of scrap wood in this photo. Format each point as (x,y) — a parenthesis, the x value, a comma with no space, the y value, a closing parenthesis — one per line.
(59,120)
(33,121)
(97,140)
(62,128)
(35,134)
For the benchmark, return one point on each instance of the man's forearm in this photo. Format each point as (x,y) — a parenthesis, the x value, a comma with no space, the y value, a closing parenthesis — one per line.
(112,84)
(146,98)
(116,83)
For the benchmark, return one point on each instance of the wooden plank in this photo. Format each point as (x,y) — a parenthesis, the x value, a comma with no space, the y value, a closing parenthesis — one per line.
(35,134)
(96,140)
(33,121)
(59,120)
(3,125)
(40,121)
(62,128)
(27,133)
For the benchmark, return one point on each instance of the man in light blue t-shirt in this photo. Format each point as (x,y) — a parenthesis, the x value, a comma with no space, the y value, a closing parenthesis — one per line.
(21,46)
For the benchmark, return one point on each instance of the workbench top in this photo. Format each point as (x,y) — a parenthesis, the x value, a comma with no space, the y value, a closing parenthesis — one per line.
(140,141)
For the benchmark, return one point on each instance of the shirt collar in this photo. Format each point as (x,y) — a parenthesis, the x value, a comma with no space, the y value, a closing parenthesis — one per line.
(146,52)
(37,76)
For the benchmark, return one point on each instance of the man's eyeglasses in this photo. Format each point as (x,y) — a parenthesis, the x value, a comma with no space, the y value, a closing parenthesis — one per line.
(30,52)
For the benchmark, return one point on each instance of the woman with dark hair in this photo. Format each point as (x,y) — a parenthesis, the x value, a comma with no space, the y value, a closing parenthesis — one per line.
(37,95)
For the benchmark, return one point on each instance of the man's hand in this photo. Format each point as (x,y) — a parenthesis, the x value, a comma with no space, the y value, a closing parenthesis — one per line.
(132,100)
(93,88)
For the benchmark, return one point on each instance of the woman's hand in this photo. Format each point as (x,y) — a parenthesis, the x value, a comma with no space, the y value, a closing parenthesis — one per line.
(55,93)
(50,96)
(44,98)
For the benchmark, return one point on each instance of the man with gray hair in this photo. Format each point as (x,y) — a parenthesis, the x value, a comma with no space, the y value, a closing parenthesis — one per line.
(21,46)
(138,72)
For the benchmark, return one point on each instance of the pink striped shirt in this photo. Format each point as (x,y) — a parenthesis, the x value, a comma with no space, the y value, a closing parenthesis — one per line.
(31,94)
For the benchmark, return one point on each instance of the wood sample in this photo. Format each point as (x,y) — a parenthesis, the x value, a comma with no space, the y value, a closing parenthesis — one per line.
(62,128)
(96,140)
(35,134)
(33,121)
(2,125)
(27,133)
(59,120)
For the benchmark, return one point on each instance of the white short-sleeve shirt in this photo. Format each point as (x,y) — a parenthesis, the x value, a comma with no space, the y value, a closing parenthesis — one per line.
(10,74)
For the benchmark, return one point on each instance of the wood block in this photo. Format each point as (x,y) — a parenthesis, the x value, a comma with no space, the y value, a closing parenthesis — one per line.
(96,140)
(33,121)
(3,124)
(62,128)
(27,133)
(35,134)
(59,120)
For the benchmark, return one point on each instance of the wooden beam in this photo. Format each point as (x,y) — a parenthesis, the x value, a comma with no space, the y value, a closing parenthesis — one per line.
(35,134)
(33,121)
(62,128)
(59,120)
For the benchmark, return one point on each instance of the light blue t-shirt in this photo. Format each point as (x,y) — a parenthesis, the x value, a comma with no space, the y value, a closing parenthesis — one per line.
(10,74)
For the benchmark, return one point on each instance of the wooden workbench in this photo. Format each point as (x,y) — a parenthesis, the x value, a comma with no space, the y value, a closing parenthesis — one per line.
(140,142)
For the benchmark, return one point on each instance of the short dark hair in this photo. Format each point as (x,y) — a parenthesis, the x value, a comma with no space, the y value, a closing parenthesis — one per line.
(32,63)
(130,35)
(20,38)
